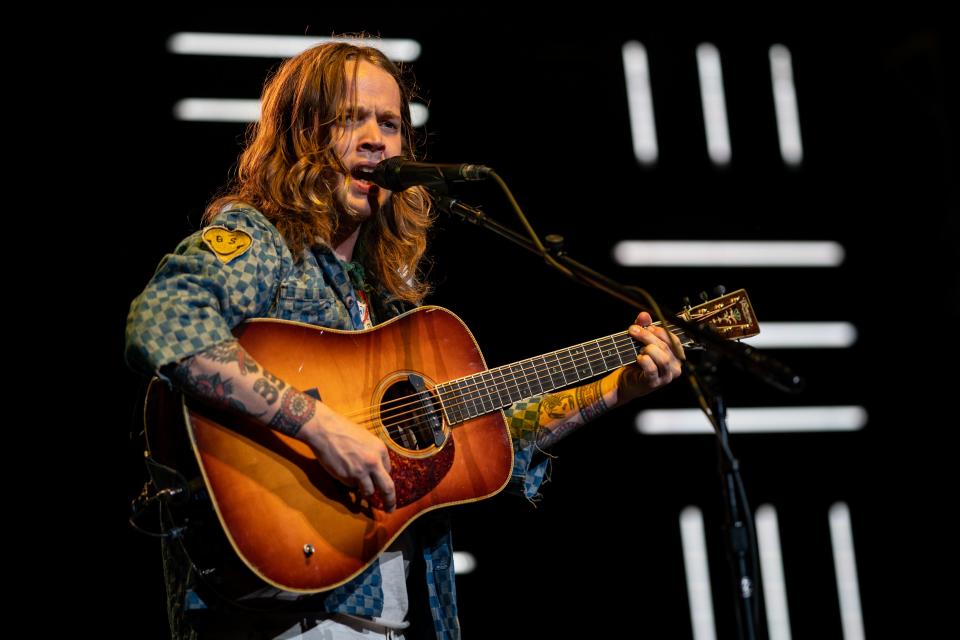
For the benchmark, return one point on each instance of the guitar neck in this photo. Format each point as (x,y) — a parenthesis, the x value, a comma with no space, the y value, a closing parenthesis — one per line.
(481,393)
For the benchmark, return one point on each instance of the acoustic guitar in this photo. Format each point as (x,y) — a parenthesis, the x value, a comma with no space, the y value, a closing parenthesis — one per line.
(420,383)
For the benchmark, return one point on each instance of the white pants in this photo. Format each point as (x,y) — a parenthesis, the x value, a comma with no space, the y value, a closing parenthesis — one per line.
(342,627)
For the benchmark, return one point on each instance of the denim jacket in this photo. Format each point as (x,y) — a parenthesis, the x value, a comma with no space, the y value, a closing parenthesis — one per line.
(195,299)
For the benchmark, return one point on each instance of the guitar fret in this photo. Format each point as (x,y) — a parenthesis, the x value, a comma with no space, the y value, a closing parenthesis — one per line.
(466,401)
(628,351)
(503,388)
(471,384)
(483,391)
(509,385)
(450,405)
(532,369)
(587,358)
(609,355)
(556,372)
(588,355)
(459,400)
(521,381)
(505,384)
(581,363)
(542,370)
(565,358)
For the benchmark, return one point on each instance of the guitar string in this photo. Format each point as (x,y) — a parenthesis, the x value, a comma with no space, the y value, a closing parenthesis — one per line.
(480,405)
(419,412)
(594,344)
(511,373)
(450,398)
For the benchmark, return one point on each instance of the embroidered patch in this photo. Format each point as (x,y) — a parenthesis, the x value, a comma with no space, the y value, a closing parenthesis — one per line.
(226,244)
(364,306)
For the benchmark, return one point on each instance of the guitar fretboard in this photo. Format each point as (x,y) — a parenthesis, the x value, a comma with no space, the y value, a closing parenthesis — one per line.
(498,388)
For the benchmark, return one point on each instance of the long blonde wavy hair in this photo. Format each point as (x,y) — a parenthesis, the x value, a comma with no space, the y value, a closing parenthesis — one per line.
(289,166)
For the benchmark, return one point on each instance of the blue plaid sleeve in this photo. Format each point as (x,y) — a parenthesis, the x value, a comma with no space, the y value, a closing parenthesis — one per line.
(194,300)
(529,470)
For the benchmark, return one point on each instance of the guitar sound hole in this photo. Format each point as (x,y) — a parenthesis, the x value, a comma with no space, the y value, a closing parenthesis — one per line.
(411,417)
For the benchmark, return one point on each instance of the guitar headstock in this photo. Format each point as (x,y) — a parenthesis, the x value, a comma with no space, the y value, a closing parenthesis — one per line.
(730,316)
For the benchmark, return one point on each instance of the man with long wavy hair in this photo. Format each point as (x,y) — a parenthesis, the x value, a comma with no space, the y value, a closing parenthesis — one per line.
(302,235)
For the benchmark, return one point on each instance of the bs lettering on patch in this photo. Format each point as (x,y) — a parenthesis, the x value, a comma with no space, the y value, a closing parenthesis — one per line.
(226,244)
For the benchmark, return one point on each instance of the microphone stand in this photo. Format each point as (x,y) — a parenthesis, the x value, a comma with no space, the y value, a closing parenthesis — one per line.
(745,357)
(740,538)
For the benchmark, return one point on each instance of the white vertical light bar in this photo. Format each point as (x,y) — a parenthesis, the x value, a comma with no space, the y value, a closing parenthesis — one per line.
(845,565)
(771,568)
(643,128)
(714,103)
(785,105)
(419,114)
(697,571)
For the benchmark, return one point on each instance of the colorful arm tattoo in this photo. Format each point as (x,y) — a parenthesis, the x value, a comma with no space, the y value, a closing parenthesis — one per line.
(296,409)
(549,436)
(211,388)
(563,413)
(269,387)
(591,402)
(227,352)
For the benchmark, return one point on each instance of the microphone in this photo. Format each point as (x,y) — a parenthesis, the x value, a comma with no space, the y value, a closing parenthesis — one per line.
(397,173)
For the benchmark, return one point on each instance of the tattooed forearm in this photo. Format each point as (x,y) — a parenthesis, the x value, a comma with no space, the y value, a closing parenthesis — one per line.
(274,380)
(296,409)
(267,391)
(211,388)
(232,352)
(548,436)
(558,405)
(220,376)
(563,413)
(591,402)
(269,387)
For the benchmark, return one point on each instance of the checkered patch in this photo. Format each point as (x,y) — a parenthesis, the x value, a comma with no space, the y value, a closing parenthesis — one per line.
(362,596)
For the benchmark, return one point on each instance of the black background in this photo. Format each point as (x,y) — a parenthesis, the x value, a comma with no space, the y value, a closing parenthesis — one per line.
(543,102)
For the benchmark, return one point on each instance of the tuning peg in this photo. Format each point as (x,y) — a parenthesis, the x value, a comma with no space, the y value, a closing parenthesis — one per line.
(686,302)
(554,242)
(704,296)
(719,290)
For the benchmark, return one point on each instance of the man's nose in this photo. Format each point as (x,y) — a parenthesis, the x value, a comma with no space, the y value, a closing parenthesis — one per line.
(371,138)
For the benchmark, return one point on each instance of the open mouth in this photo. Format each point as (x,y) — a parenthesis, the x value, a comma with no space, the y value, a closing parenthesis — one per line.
(362,174)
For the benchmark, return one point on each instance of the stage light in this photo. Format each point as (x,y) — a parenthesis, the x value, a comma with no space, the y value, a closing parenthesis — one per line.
(714,103)
(279,46)
(754,420)
(643,128)
(733,253)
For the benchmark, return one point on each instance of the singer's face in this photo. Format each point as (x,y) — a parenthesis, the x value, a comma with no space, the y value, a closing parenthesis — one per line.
(371,134)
